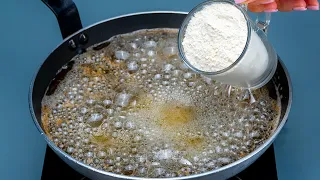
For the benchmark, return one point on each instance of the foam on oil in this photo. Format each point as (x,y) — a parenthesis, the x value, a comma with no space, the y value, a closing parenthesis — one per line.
(132,107)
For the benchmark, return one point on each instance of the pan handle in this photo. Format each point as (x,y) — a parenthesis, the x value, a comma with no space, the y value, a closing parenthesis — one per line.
(67,15)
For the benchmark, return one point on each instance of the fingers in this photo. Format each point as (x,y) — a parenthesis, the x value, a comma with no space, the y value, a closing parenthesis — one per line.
(312,4)
(289,5)
(270,7)
(258,2)
(256,8)
(281,5)
(297,5)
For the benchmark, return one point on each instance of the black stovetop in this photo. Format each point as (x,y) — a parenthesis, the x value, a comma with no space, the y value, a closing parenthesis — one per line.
(263,169)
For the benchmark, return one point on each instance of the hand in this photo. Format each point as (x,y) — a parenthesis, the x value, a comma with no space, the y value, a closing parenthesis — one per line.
(280,5)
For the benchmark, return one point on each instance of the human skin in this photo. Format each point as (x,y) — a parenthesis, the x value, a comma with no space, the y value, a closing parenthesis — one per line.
(280,5)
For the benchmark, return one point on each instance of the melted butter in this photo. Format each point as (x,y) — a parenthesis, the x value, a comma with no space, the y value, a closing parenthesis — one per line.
(176,116)
(105,142)
(101,140)
(172,117)
(194,142)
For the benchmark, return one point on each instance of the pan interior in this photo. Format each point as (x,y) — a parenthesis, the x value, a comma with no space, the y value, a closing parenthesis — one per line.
(130,106)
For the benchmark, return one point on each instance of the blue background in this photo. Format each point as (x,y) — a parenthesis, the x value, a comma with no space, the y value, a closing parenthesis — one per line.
(29,31)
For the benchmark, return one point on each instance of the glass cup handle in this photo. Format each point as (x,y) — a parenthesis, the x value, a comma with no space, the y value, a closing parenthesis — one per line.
(262,20)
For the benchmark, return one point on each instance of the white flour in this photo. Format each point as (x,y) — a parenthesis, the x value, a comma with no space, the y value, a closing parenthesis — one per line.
(215,37)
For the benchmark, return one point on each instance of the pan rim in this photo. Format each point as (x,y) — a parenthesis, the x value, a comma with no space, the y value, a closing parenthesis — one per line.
(263,147)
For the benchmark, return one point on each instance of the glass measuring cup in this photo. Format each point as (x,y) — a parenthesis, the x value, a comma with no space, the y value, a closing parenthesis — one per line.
(258,61)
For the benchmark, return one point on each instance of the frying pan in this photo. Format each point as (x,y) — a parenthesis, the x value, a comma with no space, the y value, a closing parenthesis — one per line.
(77,39)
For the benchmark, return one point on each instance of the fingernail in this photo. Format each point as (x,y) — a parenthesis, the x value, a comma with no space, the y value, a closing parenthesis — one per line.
(239,1)
(315,8)
(271,10)
(267,2)
(299,8)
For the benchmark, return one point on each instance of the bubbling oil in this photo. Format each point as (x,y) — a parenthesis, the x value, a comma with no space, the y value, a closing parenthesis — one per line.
(130,106)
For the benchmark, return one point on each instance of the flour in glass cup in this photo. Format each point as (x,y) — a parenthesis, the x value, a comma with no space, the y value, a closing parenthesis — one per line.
(215,37)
